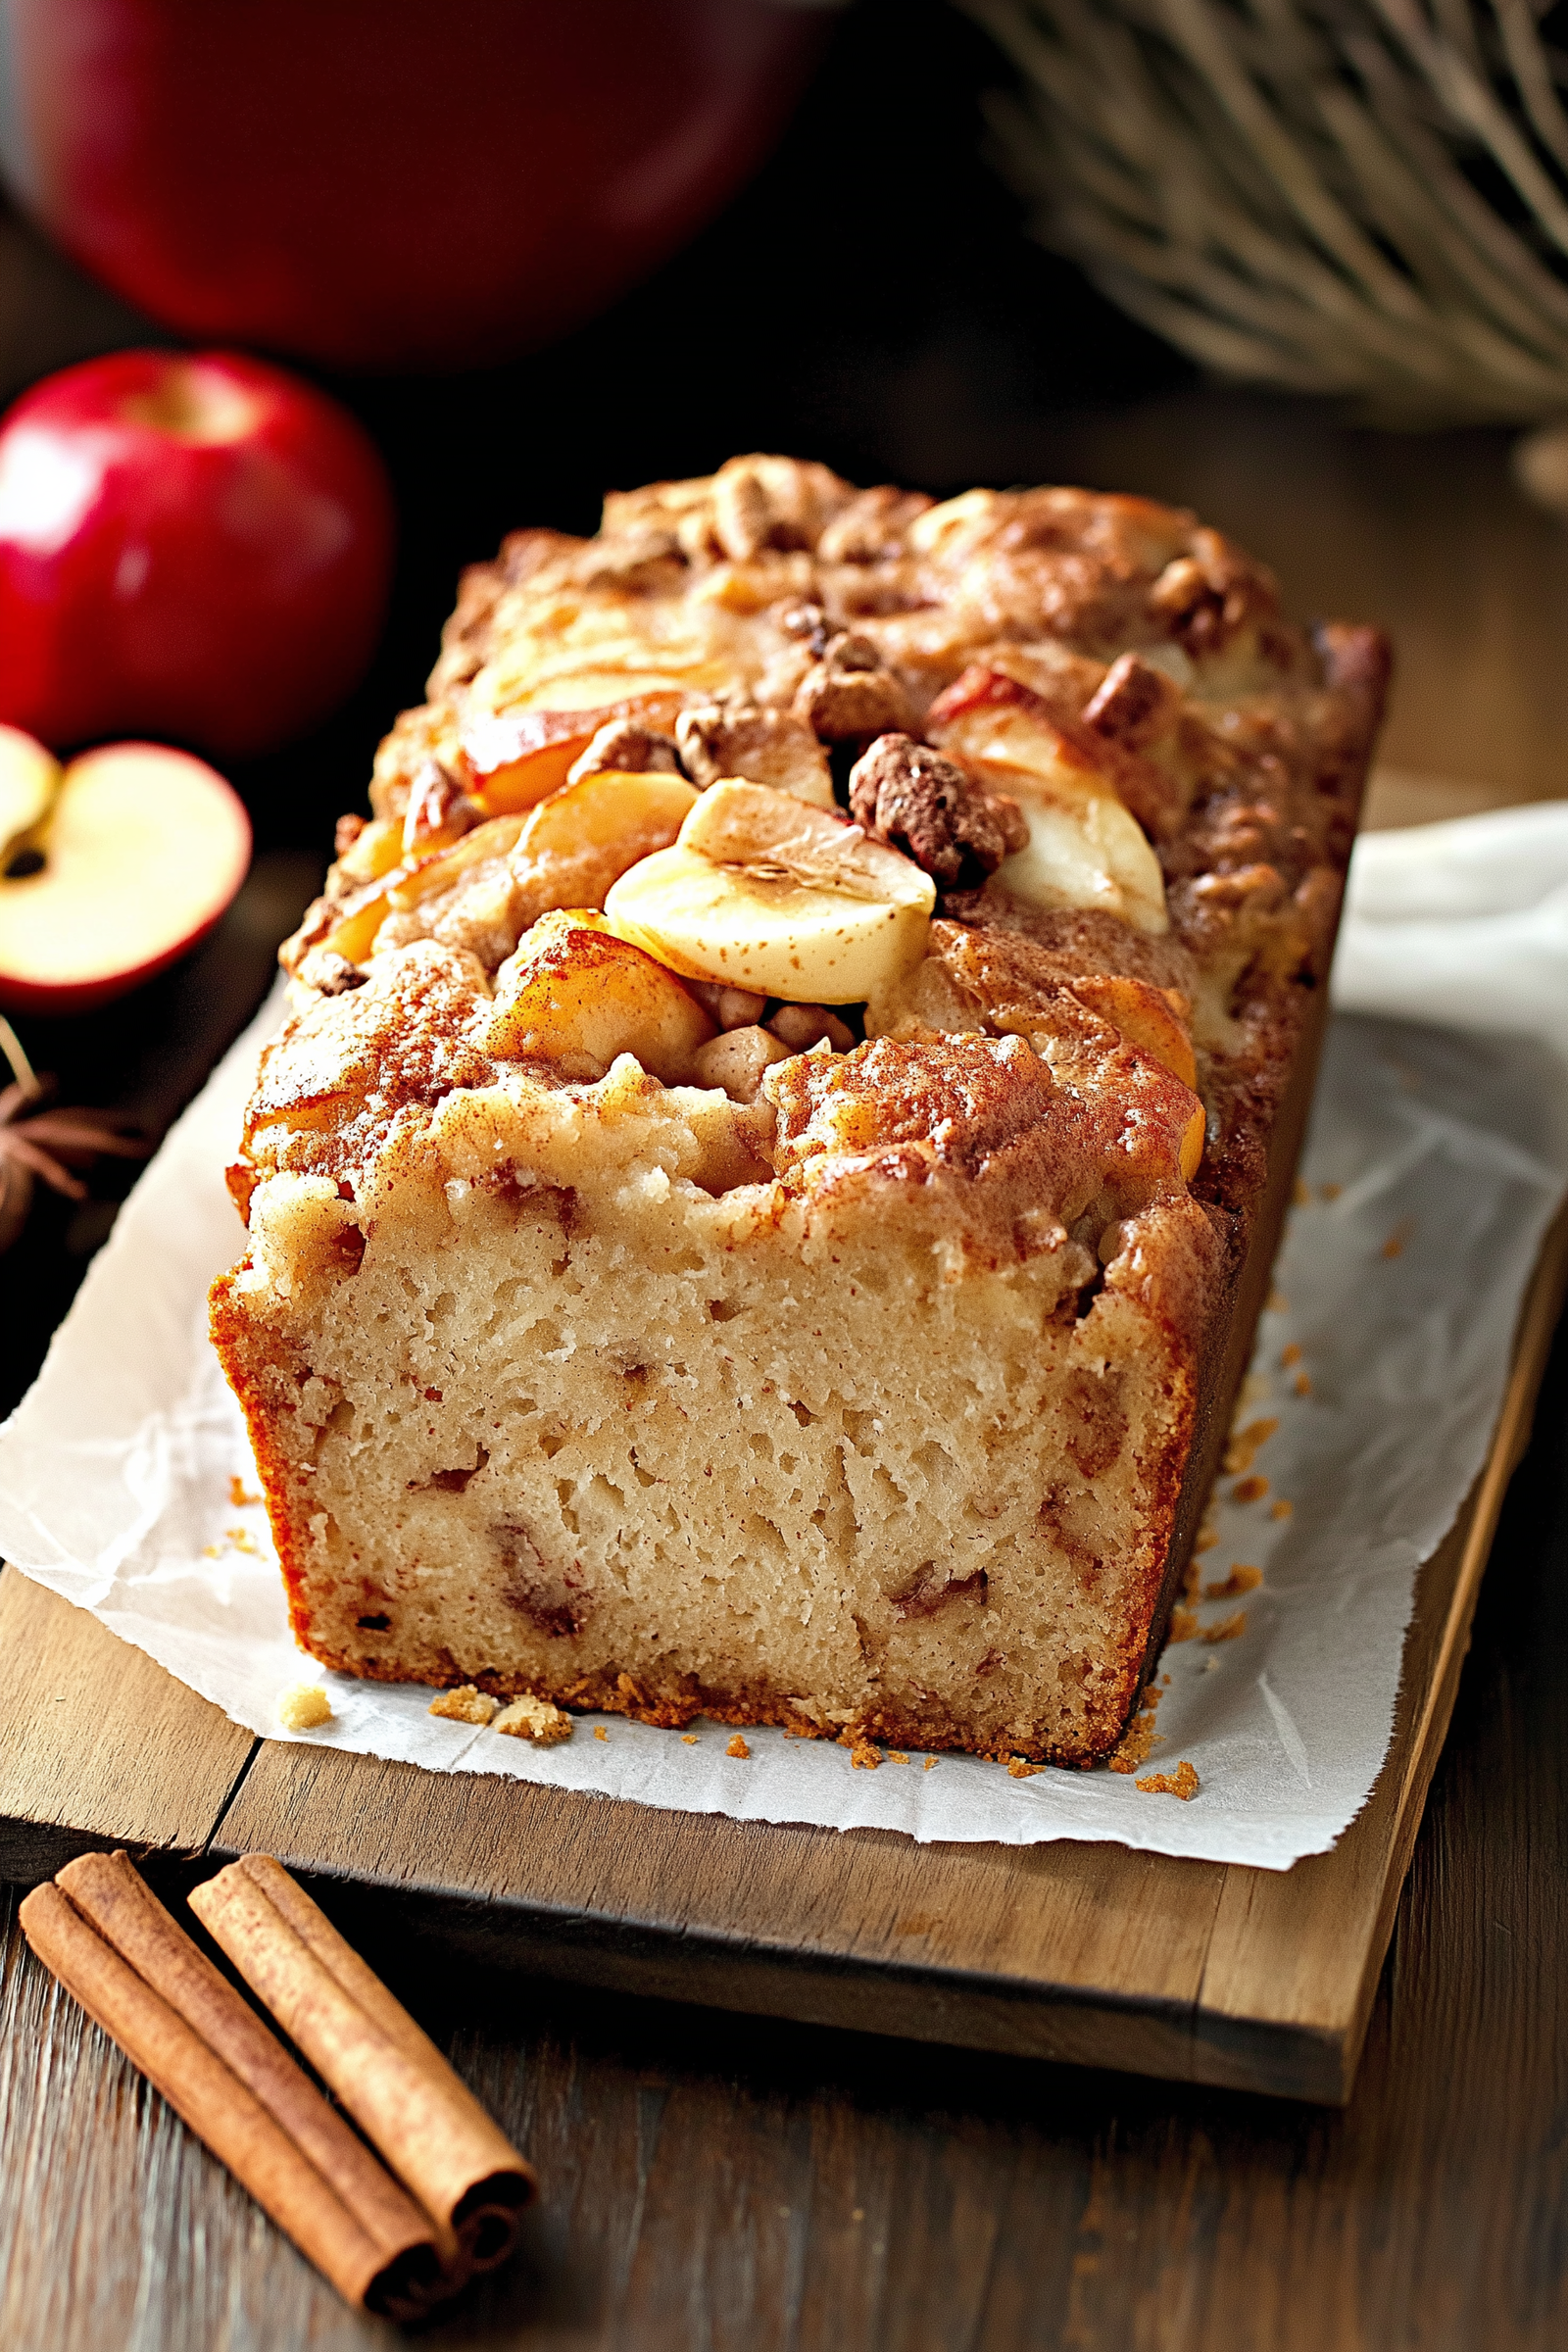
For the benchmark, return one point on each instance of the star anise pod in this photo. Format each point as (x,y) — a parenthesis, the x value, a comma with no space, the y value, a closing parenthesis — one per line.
(39,1140)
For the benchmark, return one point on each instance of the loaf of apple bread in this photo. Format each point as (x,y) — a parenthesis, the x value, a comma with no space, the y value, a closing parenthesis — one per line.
(761,1204)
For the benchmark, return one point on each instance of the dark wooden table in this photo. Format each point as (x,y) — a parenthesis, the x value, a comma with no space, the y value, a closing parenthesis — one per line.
(717,2182)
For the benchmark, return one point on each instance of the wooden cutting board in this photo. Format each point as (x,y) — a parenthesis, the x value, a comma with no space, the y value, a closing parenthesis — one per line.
(1204,1971)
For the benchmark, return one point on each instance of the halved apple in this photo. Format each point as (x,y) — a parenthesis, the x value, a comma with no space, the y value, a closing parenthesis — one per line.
(142,850)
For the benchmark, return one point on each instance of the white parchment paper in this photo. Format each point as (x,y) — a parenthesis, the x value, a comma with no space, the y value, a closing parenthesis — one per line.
(1435,1164)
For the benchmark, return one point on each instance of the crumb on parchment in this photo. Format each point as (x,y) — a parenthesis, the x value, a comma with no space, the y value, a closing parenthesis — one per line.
(1229,1628)
(304,1707)
(1250,1489)
(1183,1783)
(930,1764)
(687,1738)
(464,1705)
(1245,1443)
(737,1747)
(535,1719)
(1241,1579)
(1183,1626)
(600,1732)
(864,1756)
(1019,1768)
(238,1495)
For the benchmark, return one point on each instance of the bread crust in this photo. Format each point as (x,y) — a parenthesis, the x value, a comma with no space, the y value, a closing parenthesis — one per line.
(983,1206)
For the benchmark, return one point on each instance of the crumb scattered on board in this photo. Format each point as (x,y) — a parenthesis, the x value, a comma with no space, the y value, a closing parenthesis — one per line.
(1246,1445)
(1019,1768)
(1281,1510)
(930,1764)
(1182,1782)
(1393,1246)
(864,1757)
(737,1747)
(304,1707)
(1229,1628)
(239,1497)
(687,1738)
(600,1732)
(1183,1626)
(1250,1489)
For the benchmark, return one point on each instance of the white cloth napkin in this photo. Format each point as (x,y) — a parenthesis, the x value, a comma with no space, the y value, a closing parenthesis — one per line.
(1464,923)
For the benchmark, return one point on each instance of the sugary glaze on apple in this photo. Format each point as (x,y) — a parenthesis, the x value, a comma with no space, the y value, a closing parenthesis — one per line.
(779,1096)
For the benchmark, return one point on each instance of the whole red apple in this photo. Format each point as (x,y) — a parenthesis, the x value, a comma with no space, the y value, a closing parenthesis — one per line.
(190,545)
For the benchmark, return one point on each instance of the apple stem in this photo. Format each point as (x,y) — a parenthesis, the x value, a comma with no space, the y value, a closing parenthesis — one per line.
(21,1069)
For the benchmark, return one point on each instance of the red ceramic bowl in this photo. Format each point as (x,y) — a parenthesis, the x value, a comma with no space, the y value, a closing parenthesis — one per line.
(387,183)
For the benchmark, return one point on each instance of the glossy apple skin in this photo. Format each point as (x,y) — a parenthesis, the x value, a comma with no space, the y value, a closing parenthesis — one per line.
(404,183)
(190,547)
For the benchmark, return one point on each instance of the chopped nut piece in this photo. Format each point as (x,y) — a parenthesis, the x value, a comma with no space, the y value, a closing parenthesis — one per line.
(801,1026)
(730,1008)
(762,747)
(304,1707)
(1134,703)
(909,795)
(848,694)
(534,1719)
(1182,1782)
(466,1704)
(737,1747)
(626,747)
(737,1060)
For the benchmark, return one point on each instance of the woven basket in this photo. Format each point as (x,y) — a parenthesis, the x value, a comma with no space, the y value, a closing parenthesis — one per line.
(1364,197)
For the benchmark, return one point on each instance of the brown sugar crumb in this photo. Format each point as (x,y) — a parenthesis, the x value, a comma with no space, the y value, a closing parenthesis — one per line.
(534,1719)
(1231,1587)
(737,1747)
(600,1732)
(1304,1383)
(239,1497)
(864,1757)
(466,1704)
(687,1738)
(1246,1446)
(1020,1769)
(1393,1246)
(1290,1355)
(1183,1783)
(1182,1625)
(1250,1489)
(304,1707)
(1229,1628)
(1281,1510)
(1132,1749)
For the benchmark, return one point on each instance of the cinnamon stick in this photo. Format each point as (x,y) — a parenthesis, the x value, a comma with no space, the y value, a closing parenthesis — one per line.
(201,2086)
(389,2074)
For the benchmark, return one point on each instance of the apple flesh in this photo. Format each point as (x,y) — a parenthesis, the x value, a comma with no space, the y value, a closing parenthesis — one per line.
(190,545)
(28,775)
(140,854)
